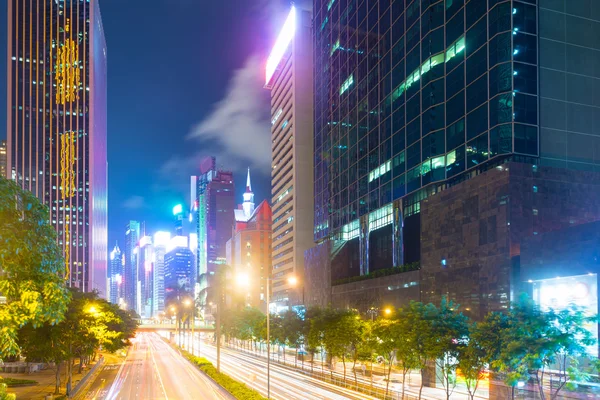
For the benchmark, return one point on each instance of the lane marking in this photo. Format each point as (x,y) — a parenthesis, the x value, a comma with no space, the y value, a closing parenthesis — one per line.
(157,371)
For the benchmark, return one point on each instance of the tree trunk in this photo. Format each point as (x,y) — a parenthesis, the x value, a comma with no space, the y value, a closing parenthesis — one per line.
(404,371)
(80,365)
(421,388)
(344,362)
(69,375)
(387,384)
(57,379)
(296,357)
(354,370)
(284,353)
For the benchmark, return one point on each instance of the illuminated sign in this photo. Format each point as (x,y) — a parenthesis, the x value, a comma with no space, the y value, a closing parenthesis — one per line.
(177,242)
(68,74)
(178,209)
(283,41)
(560,293)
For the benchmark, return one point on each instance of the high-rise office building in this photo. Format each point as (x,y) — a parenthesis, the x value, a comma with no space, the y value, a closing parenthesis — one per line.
(180,276)
(115,275)
(3,158)
(56,125)
(214,205)
(130,277)
(249,249)
(452,107)
(289,76)
(145,258)
(161,242)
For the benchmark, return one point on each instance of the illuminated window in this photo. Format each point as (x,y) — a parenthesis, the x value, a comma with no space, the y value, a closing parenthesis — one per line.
(346,85)
(381,217)
(351,230)
(380,171)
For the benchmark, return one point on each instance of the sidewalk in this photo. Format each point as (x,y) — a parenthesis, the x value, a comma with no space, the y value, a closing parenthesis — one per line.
(46,380)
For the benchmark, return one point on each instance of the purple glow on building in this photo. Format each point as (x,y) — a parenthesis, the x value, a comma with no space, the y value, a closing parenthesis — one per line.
(281,45)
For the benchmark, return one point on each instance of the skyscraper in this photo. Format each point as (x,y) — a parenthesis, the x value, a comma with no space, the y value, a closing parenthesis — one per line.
(289,76)
(115,275)
(56,125)
(132,237)
(249,249)
(463,109)
(214,205)
(3,158)
(161,242)
(180,276)
(145,275)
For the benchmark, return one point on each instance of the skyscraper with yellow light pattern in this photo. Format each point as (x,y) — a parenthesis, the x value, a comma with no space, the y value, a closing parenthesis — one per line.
(56,125)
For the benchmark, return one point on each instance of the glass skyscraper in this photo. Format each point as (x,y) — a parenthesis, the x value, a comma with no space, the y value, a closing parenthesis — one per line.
(412,97)
(56,125)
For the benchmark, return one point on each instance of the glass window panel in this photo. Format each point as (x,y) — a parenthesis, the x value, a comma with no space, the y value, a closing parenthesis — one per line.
(413,155)
(413,107)
(398,142)
(526,139)
(433,94)
(398,164)
(399,187)
(455,161)
(525,48)
(455,27)
(398,119)
(453,6)
(525,78)
(500,49)
(476,36)
(524,17)
(525,108)
(455,134)
(413,131)
(433,119)
(455,81)
(501,109)
(413,35)
(501,140)
(474,10)
(433,144)
(477,64)
(413,179)
(455,108)
(477,122)
(499,18)
(477,93)
(500,79)
(432,18)
(432,43)
(477,150)
(413,11)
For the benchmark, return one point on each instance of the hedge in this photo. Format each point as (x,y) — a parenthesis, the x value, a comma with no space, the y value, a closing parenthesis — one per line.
(379,273)
(239,390)
(11,382)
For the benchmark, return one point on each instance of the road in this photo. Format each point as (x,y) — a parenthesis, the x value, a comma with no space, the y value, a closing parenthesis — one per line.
(153,370)
(286,384)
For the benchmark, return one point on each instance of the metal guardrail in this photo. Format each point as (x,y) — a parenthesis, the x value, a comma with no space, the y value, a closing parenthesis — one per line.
(81,384)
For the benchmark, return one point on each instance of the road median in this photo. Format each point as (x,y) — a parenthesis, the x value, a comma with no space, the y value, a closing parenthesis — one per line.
(238,390)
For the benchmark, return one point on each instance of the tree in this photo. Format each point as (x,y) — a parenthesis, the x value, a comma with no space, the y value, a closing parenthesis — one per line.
(90,323)
(385,345)
(316,331)
(406,354)
(292,331)
(4,395)
(419,334)
(472,359)
(448,332)
(32,270)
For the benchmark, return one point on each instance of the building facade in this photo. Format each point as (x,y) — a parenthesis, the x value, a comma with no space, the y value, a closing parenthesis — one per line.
(115,275)
(289,76)
(249,249)
(3,159)
(161,242)
(214,205)
(145,283)
(413,98)
(180,276)
(130,277)
(56,125)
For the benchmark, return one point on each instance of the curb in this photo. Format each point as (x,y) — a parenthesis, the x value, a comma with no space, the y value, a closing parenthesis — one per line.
(93,373)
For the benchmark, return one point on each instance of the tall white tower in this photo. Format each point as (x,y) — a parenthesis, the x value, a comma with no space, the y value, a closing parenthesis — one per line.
(248,204)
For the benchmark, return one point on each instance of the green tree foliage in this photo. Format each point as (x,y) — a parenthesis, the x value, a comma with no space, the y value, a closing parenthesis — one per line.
(32,269)
(90,324)
(472,359)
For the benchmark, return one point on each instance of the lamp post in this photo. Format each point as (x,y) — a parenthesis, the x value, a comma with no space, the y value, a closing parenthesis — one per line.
(187,303)
(174,311)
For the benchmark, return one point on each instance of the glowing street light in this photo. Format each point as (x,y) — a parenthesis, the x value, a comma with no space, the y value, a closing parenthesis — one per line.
(387,311)
(178,209)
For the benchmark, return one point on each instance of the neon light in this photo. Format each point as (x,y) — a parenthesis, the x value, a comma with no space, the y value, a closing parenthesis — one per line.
(346,85)
(330,4)
(335,47)
(178,209)
(67,72)
(281,44)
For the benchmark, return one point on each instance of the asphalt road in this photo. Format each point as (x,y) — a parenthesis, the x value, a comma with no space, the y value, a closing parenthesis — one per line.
(153,370)
(286,384)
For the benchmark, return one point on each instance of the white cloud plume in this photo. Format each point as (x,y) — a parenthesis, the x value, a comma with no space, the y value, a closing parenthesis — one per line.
(237,128)
(134,203)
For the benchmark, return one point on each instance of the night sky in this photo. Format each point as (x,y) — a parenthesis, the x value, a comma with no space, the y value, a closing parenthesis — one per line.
(184,81)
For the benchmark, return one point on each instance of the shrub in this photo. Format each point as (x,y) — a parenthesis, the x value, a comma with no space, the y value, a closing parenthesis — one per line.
(11,382)
(379,273)
(239,390)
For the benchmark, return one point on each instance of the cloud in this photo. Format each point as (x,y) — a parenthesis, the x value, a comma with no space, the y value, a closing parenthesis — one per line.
(134,203)
(237,129)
